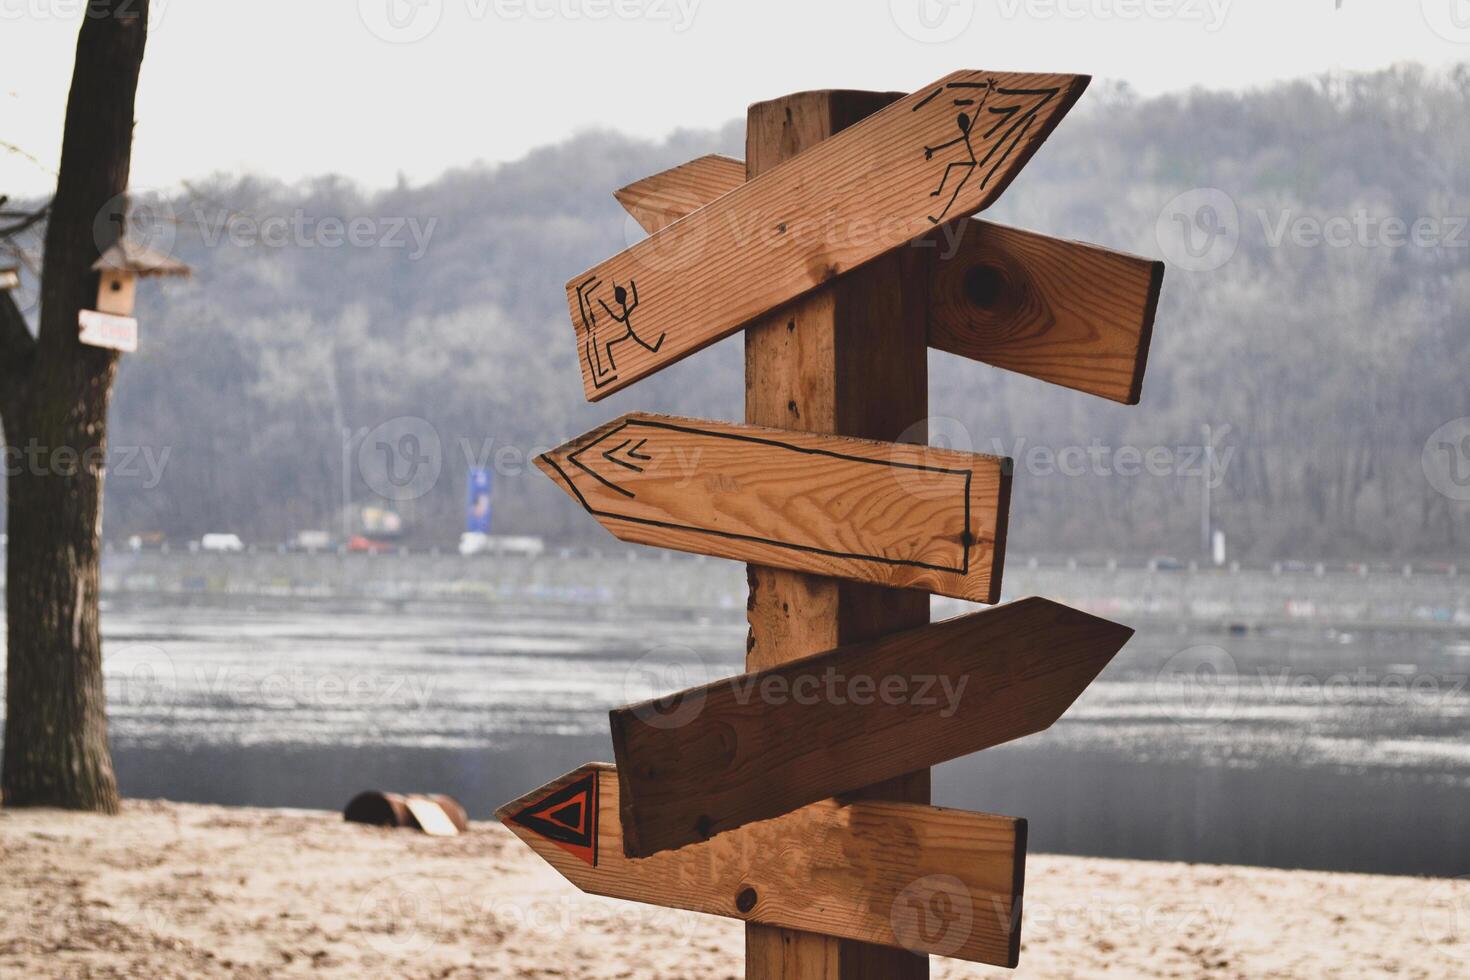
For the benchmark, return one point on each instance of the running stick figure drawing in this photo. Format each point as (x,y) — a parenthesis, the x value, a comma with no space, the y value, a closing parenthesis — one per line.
(965,121)
(626,303)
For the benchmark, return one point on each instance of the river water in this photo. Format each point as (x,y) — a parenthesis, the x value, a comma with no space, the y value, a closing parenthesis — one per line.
(1307,748)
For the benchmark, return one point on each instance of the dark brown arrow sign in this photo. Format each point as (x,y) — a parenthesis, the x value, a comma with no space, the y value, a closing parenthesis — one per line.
(763,744)
(926,878)
(889,513)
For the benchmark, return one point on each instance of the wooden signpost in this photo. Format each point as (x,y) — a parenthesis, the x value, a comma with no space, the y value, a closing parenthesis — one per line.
(767,742)
(946,151)
(888,513)
(1075,315)
(796,796)
(831,868)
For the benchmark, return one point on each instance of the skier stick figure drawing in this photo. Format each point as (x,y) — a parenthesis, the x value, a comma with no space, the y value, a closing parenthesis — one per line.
(594,351)
(965,122)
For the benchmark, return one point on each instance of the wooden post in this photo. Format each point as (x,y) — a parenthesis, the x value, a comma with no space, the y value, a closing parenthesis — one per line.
(850,360)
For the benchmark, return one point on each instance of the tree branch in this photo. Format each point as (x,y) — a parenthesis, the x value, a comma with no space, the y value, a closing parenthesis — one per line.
(26,220)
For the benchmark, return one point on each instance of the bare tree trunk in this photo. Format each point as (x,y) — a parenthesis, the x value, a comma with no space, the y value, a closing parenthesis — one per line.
(55,414)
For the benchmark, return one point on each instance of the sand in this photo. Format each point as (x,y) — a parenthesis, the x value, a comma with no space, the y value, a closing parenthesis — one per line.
(169,890)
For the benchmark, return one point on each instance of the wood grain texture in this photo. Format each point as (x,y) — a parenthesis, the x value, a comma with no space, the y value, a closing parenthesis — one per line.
(765,743)
(940,154)
(658,201)
(905,875)
(848,359)
(889,513)
(1064,312)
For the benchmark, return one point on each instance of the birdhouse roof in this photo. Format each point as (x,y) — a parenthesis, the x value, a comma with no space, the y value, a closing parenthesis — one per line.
(140,260)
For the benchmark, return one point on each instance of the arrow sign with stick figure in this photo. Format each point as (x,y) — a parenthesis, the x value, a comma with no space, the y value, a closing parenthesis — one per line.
(945,152)
(888,513)
(1072,314)
(762,744)
(924,878)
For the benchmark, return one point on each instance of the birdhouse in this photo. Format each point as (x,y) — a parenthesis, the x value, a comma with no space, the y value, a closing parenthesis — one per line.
(9,277)
(120,267)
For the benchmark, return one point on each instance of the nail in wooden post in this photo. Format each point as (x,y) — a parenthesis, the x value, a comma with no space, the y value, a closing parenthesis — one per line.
(851,360)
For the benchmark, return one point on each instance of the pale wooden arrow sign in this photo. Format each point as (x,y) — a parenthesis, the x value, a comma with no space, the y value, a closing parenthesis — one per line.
(889,513)
(935,156)
(762,744)
(1065,312)
(925,878)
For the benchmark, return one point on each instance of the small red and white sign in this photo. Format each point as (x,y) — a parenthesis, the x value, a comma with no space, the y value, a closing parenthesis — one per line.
(107,330)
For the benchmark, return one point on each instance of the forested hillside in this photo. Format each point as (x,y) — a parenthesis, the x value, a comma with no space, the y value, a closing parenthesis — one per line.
(1322,365)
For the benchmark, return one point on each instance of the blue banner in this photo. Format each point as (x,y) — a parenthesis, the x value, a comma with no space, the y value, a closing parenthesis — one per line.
(477,510)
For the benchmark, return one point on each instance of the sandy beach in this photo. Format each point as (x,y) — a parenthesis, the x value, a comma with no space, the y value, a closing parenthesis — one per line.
(172,890)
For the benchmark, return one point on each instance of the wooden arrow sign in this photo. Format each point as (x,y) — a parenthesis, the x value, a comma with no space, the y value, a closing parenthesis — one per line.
(929,879)
(1072,314)
(944,152)
(890,513)
(766,743)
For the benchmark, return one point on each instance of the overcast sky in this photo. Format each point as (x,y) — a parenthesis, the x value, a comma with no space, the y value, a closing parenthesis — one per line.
(374,88)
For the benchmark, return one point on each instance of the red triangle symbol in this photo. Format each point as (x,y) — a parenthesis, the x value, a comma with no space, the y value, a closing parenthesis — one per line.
(567,817)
